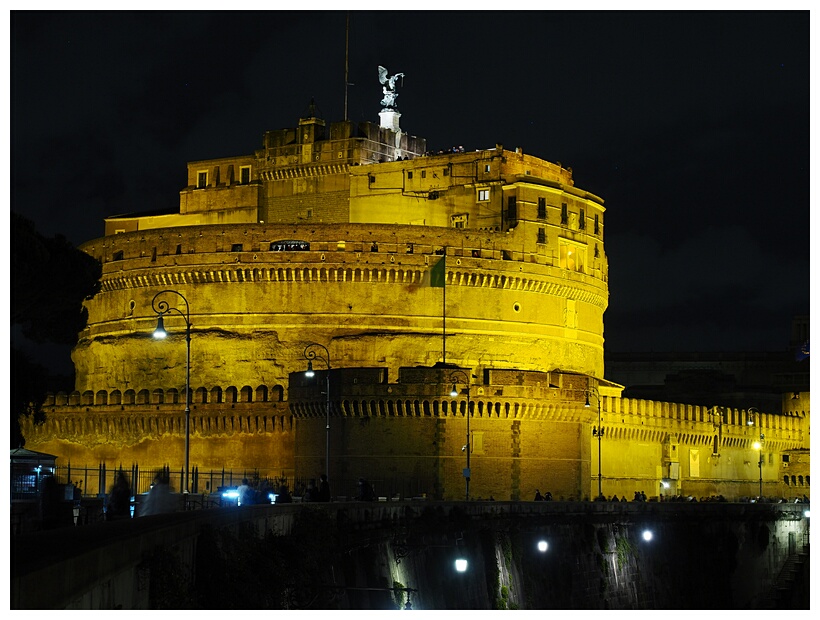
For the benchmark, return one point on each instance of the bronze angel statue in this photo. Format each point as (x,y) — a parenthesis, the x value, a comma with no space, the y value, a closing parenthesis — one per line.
(389,87)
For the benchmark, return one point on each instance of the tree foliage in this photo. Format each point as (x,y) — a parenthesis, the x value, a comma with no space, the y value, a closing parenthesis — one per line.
(50,278)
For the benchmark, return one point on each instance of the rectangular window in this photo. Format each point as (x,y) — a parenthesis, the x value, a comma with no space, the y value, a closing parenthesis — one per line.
(371,178)
(179,248)
(582,221)
(564,214)
(117,255)
(487,168)
(236,247)
(409,249)
(423,174)
(447,172)
(542,208)
(571,257)
(409,174)
(459,221)
(595,230)
(202,179)
(245,175)
(512,211)
(542,235)
(483,194)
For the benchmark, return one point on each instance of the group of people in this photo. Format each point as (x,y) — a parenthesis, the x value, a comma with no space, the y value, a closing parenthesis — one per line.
(546,497)
(320,493)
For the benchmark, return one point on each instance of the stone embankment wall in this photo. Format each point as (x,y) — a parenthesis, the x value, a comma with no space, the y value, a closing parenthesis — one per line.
(371,556)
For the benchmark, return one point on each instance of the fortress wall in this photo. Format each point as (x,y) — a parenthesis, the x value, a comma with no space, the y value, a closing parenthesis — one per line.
(409,437)
(371,306)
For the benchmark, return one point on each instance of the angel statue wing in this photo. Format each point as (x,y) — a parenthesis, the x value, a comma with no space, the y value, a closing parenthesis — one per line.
(382,75)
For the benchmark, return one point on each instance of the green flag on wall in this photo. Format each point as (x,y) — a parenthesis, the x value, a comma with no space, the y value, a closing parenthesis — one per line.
(435,276)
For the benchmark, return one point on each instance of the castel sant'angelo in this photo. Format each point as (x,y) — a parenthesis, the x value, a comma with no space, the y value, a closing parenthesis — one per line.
(404,274)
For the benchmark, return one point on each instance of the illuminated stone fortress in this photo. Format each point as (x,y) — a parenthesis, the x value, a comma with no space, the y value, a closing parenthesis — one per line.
(328,234)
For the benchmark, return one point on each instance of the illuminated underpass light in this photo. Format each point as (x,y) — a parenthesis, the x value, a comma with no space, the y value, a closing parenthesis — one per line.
(542,546)
(647,535)
(461,565)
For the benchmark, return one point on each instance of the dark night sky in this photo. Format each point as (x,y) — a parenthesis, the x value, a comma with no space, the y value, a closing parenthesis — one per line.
(693,127)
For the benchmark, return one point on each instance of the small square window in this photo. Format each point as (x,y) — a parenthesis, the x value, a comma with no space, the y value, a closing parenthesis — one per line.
(372,178)
(483,194)
(236,247)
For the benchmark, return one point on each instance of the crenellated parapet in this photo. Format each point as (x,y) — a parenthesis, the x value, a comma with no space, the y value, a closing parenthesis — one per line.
(644,420)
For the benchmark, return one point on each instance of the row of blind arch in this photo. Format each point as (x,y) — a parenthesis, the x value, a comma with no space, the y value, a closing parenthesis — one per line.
(200,395)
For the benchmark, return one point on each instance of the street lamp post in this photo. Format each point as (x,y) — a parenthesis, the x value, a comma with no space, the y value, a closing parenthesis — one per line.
(454,377)
(597,432)
(162,307)
(759,446)
(310,355)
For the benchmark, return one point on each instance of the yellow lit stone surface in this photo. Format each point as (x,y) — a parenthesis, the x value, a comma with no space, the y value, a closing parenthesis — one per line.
(320,236)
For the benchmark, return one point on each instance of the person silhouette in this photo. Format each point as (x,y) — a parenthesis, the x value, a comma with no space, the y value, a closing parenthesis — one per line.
(323,492)
(119,500)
